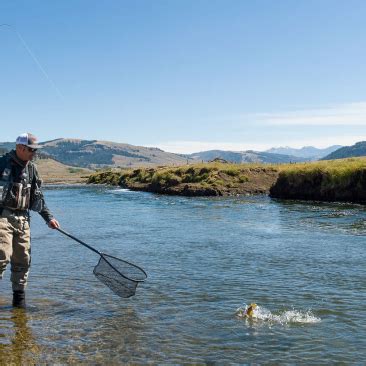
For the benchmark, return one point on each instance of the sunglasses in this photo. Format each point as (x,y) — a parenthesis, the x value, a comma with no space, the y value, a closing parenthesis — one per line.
(30,149)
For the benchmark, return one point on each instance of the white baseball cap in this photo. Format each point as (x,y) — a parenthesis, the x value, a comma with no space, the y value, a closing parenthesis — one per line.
(29,140)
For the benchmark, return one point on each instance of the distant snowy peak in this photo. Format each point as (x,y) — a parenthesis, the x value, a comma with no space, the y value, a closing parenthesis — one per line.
(308,152)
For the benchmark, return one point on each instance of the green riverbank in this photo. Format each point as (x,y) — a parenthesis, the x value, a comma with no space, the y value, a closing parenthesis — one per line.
(206,179)
(335,180)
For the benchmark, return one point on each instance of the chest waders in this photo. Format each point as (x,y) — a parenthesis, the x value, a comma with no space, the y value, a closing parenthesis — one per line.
(20,192)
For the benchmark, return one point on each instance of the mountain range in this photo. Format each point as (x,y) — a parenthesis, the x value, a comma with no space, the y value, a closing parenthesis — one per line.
(245,157)
(95,154)
(309,152)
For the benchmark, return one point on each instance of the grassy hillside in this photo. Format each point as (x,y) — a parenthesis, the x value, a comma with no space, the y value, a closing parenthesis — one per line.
(101,154)
(95,154)
(54,172)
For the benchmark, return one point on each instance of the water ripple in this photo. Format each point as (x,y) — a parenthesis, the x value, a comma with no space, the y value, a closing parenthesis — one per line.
(302,262)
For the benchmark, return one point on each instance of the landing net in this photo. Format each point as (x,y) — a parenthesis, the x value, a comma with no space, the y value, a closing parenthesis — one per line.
(120,276)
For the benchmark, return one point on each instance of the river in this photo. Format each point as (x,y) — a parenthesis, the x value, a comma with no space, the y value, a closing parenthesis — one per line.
(303,263)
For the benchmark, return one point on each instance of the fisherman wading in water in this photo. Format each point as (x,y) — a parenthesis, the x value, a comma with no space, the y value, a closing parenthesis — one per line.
(21,192)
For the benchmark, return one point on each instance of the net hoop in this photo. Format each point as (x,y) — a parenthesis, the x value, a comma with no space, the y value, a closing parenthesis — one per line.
(105,257)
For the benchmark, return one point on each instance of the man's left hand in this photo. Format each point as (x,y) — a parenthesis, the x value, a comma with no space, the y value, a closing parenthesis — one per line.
(53,224)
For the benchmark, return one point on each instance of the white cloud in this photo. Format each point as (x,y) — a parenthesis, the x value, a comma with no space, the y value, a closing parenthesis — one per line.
(351,114)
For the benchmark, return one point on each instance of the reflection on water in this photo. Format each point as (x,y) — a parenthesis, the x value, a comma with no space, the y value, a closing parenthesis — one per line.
(303,263)
(100,336)
(18,345)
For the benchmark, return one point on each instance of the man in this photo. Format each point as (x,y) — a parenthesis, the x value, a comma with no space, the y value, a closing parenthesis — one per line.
(21,192)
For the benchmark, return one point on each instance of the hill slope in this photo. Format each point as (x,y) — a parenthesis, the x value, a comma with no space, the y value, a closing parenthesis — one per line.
(97,154)
(358,149)
(54,172)
(3,151)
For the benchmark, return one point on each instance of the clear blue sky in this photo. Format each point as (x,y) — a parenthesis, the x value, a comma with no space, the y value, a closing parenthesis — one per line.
(185,75)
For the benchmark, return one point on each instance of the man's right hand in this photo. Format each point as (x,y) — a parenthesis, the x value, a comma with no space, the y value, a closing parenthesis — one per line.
(53,224)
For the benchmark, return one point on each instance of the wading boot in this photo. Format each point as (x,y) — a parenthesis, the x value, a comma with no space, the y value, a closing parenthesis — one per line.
(19,299)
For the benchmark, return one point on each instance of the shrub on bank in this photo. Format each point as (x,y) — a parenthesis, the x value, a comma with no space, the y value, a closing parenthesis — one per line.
(204,174)
(107,177)
(336,180)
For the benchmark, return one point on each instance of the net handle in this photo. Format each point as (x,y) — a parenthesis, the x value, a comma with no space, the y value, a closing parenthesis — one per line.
(102,256)
(79,241)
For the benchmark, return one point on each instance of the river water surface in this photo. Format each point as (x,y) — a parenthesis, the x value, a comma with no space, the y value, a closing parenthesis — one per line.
(206,258)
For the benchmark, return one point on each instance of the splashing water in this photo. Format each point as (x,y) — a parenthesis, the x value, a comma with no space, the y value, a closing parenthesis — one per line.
(120,190)
(283,317)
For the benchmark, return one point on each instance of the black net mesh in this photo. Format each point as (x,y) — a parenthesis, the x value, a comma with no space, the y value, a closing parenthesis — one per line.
(120,276)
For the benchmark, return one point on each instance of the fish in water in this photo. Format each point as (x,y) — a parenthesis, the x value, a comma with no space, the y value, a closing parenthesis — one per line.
(249,313)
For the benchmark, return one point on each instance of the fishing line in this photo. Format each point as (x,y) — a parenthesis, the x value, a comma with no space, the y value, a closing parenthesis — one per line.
(34,58)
